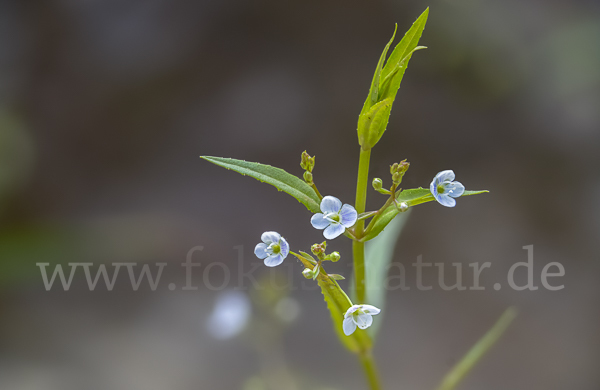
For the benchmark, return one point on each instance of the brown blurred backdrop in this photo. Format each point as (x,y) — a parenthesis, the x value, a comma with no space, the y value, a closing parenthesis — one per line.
(106,106)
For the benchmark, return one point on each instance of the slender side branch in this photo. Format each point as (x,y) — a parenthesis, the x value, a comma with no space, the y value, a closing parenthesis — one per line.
(390,200)
(314,187)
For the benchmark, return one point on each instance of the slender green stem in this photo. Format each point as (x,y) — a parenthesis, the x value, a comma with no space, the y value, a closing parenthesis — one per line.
(314,187)
(370,371)
(358,248)
(362,182)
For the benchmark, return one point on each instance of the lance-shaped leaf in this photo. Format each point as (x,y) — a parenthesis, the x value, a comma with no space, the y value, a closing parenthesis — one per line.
(385,84)
(338,303)
(411,197)
(373,96)
(393,71)
(277,177)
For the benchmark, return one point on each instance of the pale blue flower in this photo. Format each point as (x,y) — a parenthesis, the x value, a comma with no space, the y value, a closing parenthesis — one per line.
(273,249)
(335,218)
(230,316)
(444,189)
(359,315)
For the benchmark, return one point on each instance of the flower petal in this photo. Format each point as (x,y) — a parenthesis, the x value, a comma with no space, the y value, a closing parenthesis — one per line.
(455,189)
(285,247)
(269,237)
(362,320)
(349,215)
(351,310)
(334,230)
(331,204)
(273,261)
(260,250)
(445,176)
(369,309)
(349,326)
(446,200)
(318,221)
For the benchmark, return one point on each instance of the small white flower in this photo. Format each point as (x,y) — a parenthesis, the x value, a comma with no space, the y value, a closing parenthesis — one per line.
(273,249)
(359,315)
(444,189)
(335,217)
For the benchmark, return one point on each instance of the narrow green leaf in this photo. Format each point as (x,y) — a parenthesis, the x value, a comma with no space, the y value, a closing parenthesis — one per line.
(466,364)
(373,96)
(308,257)
(337,276)
(317,272)
(402,53)
(389,88)
(378,256)
(412,197)
(338,303)
(385,84)
(277,177)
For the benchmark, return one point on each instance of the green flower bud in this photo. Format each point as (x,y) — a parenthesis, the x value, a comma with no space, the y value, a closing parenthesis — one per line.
(308,273)
(398,170)
(318,249)
(377,184)
(307,162)
(335,256)
(403,167)
(308,177)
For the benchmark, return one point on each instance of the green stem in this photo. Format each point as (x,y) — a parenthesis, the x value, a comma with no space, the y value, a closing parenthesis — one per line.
(358,251)
(314,187)
(370,371)
(358,248)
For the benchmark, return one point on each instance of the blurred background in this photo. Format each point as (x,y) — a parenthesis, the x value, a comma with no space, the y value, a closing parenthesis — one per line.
(105,107)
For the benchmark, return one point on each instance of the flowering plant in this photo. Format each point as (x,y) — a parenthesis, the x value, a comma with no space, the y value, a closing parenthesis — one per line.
(352,317)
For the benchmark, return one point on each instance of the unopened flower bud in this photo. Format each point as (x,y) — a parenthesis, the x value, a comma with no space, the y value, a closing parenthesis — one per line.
(398,170)
(403,166)
(403,206)
(335,256)
(377,184)
(307,162)
(318,249)
(308,177)
(308,273)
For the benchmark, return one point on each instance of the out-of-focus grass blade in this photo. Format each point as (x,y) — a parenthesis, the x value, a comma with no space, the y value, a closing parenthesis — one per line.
(466,364)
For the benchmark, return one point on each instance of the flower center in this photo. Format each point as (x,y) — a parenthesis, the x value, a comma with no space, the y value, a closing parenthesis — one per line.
(441,189)
(333,217)
(274,248)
